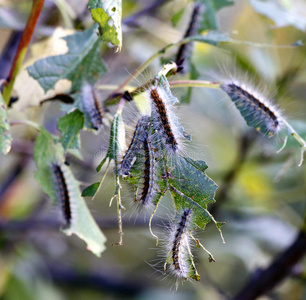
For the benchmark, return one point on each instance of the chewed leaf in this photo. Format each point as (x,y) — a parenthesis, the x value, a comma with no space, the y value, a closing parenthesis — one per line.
(107,13)
(198,164)
(81,63)
(188,177)
(70,126)
(5,130)
(200,214)
(82,222)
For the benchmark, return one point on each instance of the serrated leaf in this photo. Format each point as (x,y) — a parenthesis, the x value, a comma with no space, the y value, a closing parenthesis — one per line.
(104,11)
(5,129)
(81,63)
(70,125)
(198,164)
(82,223)
(91,190)
(47,153)
(209,20)
(191,181)
(282,16)
(199,210)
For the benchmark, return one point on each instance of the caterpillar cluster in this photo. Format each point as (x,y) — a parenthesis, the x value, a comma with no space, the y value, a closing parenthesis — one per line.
(157,134)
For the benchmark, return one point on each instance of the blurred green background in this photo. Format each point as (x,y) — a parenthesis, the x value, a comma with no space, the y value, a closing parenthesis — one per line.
(261,194)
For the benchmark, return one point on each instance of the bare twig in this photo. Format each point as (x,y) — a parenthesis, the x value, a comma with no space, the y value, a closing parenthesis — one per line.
(263,281)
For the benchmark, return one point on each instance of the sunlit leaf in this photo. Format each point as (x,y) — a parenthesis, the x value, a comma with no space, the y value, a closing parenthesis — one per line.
(70,125)
(5,130)
(108,13)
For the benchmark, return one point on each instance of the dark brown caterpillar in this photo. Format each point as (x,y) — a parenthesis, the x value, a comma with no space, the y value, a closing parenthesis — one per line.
(62,193)
(164,118)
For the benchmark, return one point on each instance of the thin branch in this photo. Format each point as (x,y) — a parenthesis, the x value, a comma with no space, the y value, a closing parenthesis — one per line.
(263,281)
(100,281)
(53,223)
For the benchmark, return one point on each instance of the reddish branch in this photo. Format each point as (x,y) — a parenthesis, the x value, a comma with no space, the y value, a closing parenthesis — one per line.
(24,42)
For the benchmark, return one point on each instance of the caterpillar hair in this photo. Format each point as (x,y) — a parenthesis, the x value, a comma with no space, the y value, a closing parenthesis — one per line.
(184,50)
(91,106)
(257,111)
(146,196)
(180,244)
(139,136)
(62,193)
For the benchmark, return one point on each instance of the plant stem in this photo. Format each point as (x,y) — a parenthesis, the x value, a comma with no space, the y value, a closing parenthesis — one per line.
(194,83)
(298,138)
(142,67)
(22,48)
(25,122)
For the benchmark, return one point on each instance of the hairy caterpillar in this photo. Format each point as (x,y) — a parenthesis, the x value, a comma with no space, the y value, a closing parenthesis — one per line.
(62,193)
(255,109)
(91,106)
(179,245)
(146,196)
(184,50)
(139,136)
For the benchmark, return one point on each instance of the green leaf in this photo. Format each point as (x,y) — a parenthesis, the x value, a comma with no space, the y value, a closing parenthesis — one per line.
(46,152)
(70,125)
(210,14)
(105,12)
(201,216)
(78,104)
(91,190)
(280,14)
(82,223)
(117,142)
(176,17)
(81,63)
(5,129)
(191,180)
